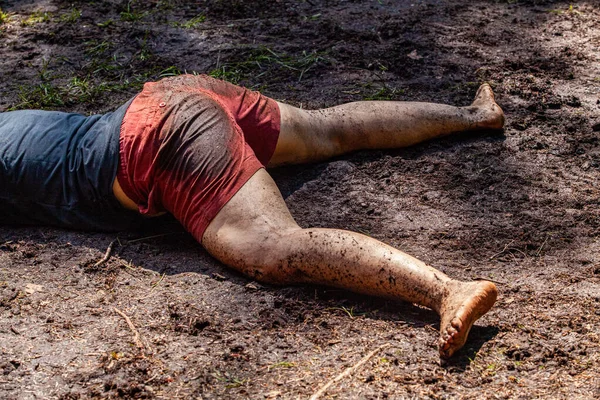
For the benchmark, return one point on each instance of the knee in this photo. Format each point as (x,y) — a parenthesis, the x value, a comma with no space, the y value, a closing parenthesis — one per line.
(267,260)
(263,257)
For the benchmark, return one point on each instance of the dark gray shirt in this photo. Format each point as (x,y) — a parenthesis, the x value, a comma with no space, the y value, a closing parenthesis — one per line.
(58,168)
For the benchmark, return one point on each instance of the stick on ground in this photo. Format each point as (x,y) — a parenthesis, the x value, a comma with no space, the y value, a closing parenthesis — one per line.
(106,255)
(136,334)
(347,372)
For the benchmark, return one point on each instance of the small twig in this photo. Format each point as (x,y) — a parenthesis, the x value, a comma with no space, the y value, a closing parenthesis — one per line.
(159,281)
(136,334)
(106,255)
(151,379)
(347,372)
(503,250)
(149,237)
(152,288)
(537,254)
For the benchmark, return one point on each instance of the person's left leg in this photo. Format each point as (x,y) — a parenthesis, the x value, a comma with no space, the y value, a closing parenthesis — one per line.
(255,234)
(315,135)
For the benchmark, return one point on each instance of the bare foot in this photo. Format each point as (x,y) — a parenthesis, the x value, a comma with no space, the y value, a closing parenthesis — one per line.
(492,116)
(466,302)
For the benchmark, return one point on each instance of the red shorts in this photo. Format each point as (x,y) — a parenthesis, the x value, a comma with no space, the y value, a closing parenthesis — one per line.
(189,143)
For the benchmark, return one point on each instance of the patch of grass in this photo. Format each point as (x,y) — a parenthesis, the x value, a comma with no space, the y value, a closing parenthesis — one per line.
(384,94)
(263,60)
(349,311)
(4,17)
(45,74)
(102,65)
(42,96)
(282,364)
(48,95)
(145,52)
(129,15)
(97,48)
(308,61)
(231,382)
(71,16)
(570,10)
(313,17)
(235,383)
(36,18)
(227,73)
(106,23)
(80,89)
(170,71)
(491,369)
(192,23)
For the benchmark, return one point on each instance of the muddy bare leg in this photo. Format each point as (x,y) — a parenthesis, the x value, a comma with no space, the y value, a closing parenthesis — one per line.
(315,135)
(256,234)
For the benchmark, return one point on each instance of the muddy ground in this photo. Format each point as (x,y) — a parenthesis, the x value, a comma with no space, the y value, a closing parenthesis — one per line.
(520,208)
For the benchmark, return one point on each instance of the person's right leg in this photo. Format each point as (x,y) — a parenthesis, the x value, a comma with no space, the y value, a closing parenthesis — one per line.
(315,135)
(255,234)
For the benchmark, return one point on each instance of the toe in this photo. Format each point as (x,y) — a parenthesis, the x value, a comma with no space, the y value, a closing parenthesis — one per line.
(456,324)
(483,88)
(443,343)
(451,331)
(444,353)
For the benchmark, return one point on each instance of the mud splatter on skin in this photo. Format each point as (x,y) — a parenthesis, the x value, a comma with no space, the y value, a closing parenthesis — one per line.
(311,256)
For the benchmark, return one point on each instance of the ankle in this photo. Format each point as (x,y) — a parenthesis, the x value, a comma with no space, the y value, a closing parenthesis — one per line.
(439,300)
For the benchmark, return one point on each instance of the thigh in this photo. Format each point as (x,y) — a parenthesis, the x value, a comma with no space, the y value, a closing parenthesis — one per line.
(304,137)
(245,231)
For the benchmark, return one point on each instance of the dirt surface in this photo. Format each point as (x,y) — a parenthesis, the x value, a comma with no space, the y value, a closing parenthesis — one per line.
(520,208)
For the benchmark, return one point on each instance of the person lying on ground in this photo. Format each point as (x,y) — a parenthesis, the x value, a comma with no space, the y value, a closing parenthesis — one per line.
(197,148)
